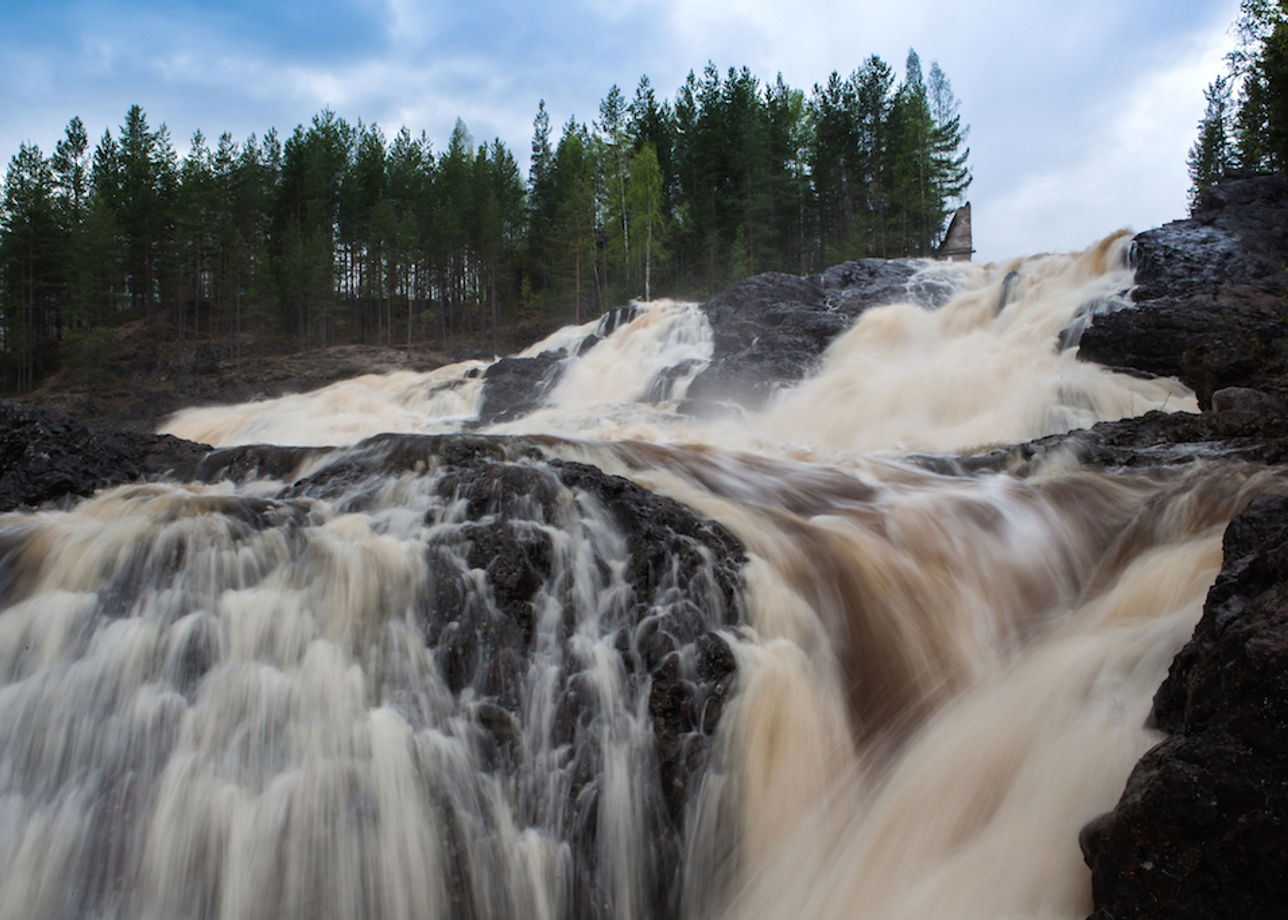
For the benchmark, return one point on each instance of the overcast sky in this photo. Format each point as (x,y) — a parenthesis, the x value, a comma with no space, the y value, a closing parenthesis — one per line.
(1081,113)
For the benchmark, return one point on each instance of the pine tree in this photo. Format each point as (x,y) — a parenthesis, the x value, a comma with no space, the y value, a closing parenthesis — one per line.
(790,137)
(874,109)
(29,253)
(835,161)
(409,169)
(613,152)
(949,174)
(71,170)
(71,167)
(1209,157)
(1259,65)
(540,203)
(574,232)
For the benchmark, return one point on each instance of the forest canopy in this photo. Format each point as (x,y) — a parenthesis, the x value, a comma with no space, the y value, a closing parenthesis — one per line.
(338,232)
(1245,122)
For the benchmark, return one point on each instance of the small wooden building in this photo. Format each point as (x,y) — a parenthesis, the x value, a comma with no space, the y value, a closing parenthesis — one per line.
(957,245)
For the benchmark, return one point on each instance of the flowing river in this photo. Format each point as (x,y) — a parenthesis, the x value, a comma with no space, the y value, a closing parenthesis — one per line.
(307,690)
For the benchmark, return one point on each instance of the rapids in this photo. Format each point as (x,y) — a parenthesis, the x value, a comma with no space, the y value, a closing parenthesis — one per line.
(423,675)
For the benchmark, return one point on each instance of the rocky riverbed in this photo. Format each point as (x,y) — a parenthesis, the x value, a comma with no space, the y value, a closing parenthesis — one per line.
(1202,827)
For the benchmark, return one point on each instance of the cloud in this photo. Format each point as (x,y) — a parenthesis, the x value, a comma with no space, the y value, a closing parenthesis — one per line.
(1124,163)
(1080,113)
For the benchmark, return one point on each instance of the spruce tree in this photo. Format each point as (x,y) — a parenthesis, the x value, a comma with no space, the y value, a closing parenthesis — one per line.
(1209,157)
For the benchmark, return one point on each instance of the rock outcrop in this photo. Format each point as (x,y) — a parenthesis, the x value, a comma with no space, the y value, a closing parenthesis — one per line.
(769,332)
(1200,830)
(1150,440)
(530,564)
(664,583)
(1209,296)
(513,387)
(1201,827)
(771,329)
(46,456)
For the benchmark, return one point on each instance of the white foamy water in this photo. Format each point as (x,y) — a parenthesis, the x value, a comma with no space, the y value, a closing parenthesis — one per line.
(244,700)
(975,372)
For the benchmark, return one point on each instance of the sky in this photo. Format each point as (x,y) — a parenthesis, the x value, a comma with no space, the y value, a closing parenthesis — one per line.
(1080,113)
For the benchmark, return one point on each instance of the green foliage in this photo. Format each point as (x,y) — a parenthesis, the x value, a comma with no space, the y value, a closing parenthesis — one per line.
(646,213)
(340,233)
(30,253)
(1209,158)
(1252,133)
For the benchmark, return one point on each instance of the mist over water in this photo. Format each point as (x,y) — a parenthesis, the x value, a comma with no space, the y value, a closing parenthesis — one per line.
(232,700)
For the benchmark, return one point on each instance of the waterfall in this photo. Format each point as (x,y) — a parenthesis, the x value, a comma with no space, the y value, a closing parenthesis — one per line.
(609,657)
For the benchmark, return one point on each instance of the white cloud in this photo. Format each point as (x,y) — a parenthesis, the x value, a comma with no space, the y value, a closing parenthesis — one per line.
(1081,113)
(1126,165)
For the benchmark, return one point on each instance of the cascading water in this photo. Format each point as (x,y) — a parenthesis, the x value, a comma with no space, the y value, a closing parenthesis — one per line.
(466,675)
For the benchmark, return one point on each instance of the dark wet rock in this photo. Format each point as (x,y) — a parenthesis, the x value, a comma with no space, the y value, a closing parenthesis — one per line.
(1010,284)
(351,476)
(517,542)
(662,386)
(1150,440)
(854,286)
(1245,399)
(46,456)
(615,319)
(770,330)
(1071,334)
(1200,829)
(668,543)
(1210,296)
(257,461)
(685,711)
(513,387)
(665,584)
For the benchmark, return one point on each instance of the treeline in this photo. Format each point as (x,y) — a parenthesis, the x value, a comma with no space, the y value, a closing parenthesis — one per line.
(1245,123)
(338,233)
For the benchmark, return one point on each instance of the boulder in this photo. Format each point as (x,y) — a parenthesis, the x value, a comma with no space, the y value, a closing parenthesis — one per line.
(1245,399)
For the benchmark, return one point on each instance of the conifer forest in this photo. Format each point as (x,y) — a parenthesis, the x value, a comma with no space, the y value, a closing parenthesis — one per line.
(341,232)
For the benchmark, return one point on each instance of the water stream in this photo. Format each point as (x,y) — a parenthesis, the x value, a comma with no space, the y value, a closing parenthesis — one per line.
(315,696)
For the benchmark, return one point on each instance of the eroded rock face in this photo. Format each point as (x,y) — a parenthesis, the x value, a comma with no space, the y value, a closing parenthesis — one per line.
(1210,306)
(573,618)
(46,456)
(771,329)
(516,539)
(1150,440)
(513,387)
(1200,829)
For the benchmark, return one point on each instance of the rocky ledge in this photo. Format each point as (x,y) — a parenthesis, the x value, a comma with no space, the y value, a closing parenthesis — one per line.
(768,332)
(664,585)
(46,456)
(1209,297)
(1201,830)
(771,330)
